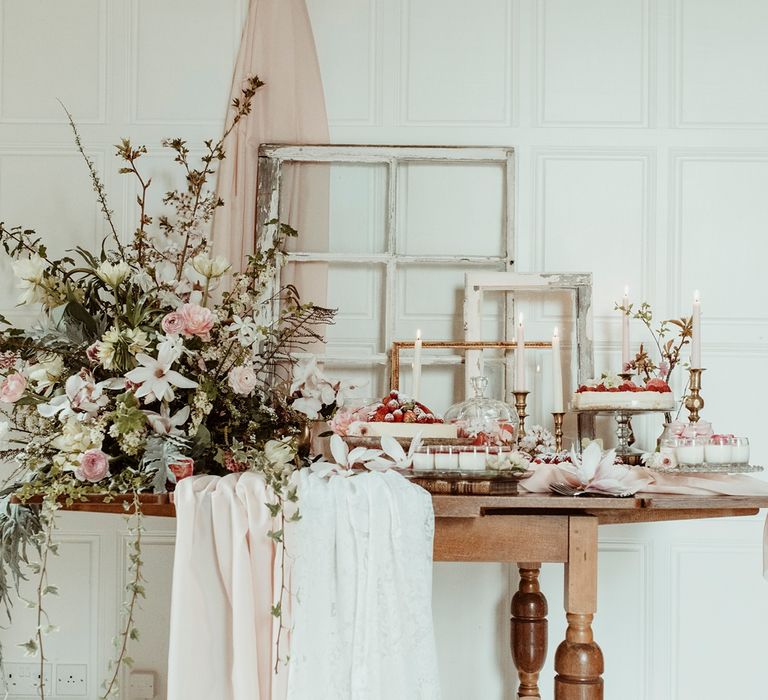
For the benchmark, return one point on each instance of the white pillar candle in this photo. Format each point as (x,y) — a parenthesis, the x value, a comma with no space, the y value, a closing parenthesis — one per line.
(423,460)
(520,356)
(473,461)
(446,460)
(696,332)
(417,366)
(625,358)
(557,374)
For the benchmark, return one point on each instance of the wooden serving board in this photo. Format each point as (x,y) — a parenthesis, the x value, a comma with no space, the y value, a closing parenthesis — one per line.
(466,483)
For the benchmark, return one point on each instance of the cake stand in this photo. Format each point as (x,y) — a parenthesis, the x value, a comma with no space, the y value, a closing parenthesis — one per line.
(629,455)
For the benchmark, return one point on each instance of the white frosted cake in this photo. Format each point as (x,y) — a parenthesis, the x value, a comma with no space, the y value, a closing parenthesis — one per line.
(609,395)
(401,417)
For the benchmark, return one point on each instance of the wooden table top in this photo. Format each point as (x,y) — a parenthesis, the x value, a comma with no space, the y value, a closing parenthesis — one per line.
(640,508)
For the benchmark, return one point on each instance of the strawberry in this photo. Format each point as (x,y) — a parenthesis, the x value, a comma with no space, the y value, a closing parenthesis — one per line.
(397,416)
(380,415)
(389,418)
(409,417)
(658,385)
(393,404)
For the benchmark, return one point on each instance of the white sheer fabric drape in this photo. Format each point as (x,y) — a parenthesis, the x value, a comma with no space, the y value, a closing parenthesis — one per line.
(360,580)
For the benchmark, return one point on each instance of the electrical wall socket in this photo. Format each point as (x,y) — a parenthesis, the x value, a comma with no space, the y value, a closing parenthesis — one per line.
(71,679)
(23,679)
(141,685)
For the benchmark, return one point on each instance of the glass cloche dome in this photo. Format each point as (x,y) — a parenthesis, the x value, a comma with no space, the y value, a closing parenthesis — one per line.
(487,421)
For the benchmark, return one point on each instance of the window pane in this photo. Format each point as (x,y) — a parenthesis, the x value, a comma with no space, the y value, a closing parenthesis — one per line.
(337,207)
(451,209)
(431,298)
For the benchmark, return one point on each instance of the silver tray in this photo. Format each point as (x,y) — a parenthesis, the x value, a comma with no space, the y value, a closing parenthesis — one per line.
(712,469)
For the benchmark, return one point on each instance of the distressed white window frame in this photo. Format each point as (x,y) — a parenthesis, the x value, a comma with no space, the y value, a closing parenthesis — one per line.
(579,284)
(272,158)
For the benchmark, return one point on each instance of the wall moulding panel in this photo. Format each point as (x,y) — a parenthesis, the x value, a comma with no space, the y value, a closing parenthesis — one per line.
(595,204)
(718,81)
(582,88)
(484,76)
(719,193)
(76,34)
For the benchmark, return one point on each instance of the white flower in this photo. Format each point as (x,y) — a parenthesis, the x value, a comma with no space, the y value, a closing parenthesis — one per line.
(210,268)
(242,380)
(82,397)
(280,452)
(611,380)
(111,274)
(77,437)
(170,346)
(156,377)
(45,374)
(395,451)
(310,407)
(247,330)
(513,461)
(31,273)
(164,423)
(137,340)
(344,459)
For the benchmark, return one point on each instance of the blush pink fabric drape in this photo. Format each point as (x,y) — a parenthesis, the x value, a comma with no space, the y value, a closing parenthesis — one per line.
(278,46)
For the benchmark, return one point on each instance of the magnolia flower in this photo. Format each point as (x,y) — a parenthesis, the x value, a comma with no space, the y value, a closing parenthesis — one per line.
(44,375)
(314,389)
(156,377)
(31,273)
(210,268)
(597,472)
(13,387)
(82,396)
(242,380)
(197,321)
(94,466)
(111,274)
(344,459)
(171,346)
(394,450)
(164,423)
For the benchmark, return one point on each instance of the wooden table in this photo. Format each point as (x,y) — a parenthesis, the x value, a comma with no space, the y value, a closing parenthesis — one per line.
(528,530)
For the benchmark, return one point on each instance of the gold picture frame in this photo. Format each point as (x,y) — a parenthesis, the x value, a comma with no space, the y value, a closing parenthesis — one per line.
(398,345)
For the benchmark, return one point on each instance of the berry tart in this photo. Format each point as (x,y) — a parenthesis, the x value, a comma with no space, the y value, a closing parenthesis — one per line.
(400,416)
(611,393)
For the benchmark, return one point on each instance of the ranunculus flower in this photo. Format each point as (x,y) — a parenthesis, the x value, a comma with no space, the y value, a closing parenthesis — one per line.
(12,388)
(182,468)
(242,380)
(197,320)
(280,452)
(94,466)
(173,323)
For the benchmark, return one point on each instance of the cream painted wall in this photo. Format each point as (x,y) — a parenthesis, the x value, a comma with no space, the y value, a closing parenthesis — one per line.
(640,129)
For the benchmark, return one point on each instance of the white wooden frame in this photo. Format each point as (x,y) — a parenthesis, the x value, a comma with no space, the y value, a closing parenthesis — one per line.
(579,284)
(272,159)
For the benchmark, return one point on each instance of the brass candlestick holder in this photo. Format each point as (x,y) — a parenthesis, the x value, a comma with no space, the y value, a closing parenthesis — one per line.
(558,418)
(693,401)
(521,398)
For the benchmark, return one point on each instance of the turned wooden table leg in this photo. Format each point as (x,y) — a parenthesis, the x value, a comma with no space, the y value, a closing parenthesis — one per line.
(579,661)
(529,631)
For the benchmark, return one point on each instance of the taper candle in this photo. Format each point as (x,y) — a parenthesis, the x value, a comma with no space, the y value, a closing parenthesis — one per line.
(520,356)
(696,332)
(625,359)
(557,373)
(417,366)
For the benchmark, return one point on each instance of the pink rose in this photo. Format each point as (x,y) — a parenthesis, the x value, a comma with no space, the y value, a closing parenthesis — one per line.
(94,466)
(182,468)
(173,323)
(12,388)
(197,320)
(242,380)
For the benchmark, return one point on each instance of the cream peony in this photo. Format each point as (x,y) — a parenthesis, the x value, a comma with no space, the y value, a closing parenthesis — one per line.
(242,380)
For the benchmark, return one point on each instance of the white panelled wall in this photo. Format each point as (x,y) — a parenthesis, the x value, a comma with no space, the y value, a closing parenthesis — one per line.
(641,130)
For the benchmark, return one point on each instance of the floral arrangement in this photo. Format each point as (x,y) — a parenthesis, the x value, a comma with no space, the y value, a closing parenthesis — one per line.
(669,337)
(144,369)
(314,394)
